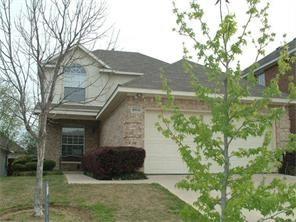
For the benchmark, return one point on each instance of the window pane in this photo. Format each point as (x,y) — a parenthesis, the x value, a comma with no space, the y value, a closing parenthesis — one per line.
(75,76)
(72,141)
(74,94)
(261,79)
(74,83)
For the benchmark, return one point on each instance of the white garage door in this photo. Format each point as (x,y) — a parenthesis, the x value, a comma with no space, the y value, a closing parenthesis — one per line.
(162,156)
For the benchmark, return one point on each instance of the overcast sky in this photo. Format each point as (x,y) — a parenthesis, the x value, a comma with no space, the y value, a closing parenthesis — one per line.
(146,25)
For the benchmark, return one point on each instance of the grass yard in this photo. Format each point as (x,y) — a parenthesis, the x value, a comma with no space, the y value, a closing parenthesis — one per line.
(117,202)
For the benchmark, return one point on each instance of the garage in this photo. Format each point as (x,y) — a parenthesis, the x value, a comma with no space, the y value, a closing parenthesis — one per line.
(162,156)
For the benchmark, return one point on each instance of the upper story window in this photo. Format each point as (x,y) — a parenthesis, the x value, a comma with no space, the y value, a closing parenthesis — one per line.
(74,83)
(261,79)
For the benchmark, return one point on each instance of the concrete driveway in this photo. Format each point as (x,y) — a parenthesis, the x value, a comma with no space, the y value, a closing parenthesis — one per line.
(169,182)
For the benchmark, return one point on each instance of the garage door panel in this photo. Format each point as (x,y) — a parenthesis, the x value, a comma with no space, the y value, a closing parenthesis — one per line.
(163,157)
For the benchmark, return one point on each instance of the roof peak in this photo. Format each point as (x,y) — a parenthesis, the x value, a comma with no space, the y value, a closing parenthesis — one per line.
(113,50)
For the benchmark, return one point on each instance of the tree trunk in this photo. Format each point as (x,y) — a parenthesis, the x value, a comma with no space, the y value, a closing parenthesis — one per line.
(38,209)
(38,197)
(226,159)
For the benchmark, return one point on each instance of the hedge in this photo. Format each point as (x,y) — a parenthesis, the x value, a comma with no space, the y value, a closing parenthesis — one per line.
(29,163)
(111,162)
(49,165)
(31,166)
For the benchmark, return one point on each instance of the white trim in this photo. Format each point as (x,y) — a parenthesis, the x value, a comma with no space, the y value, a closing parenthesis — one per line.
(192,94)
(68,112)
(86,51)
(94,57)
(121,72)
(181,94)
(269,63)
(108,102)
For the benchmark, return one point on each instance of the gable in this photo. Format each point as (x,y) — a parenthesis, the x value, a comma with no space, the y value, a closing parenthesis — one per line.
(82,56)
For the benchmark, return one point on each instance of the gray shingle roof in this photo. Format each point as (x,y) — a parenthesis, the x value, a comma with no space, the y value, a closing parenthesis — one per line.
(129,61)
(9,145)
(178,78)
(273,56)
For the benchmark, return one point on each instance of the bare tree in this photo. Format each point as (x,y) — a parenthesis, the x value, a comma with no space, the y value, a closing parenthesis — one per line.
(45,33)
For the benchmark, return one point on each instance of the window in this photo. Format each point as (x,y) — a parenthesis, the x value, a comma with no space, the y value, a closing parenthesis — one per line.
(261,79)
(72,141)
(74,83)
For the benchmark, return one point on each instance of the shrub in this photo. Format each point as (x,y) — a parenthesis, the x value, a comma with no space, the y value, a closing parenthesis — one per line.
(48,165)
(31,166)
(29,163)
(131,176)
(23,159)
(18,167)
(111,162)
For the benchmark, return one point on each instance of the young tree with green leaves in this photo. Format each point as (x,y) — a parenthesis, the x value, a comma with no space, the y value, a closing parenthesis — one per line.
(227,194)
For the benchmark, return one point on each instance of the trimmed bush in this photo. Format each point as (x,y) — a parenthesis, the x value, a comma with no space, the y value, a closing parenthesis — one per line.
(111,162)
(48,165)
(29,163)
(23,159)
(131,176)
(18,167)
(31,166)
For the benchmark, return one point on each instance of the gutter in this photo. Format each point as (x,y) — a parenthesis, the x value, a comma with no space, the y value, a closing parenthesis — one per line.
(121,72)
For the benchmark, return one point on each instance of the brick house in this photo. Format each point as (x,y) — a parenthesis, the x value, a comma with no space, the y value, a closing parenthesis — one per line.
(266,71)
(126,111)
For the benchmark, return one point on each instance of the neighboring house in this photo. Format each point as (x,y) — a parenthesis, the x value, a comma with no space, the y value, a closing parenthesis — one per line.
(8,150)
(127,111)
(266,71)
(3,161)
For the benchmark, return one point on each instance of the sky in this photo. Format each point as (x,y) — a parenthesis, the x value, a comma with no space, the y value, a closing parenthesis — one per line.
(145,26)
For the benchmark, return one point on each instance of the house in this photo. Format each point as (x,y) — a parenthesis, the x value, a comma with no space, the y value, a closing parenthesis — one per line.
(3,161)
(265,72)
(8,151)
(126,111)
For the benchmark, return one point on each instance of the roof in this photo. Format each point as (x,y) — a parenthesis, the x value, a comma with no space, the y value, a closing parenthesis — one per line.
(179,79)
(9,145)
(272,57)
(129,61)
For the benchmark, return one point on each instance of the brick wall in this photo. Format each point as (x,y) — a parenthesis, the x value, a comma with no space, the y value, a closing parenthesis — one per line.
(270,73)
(125,126)
(54,137)
(111,129)
(283,130)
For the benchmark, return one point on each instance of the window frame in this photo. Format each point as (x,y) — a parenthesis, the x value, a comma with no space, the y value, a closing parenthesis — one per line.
(83,144)
(260,79)
(69,83)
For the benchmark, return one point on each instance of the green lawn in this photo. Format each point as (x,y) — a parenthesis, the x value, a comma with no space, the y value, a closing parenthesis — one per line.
(137,202)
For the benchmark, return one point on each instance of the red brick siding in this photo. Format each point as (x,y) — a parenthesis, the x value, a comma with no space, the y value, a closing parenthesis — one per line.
(54,137)
(270,73)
